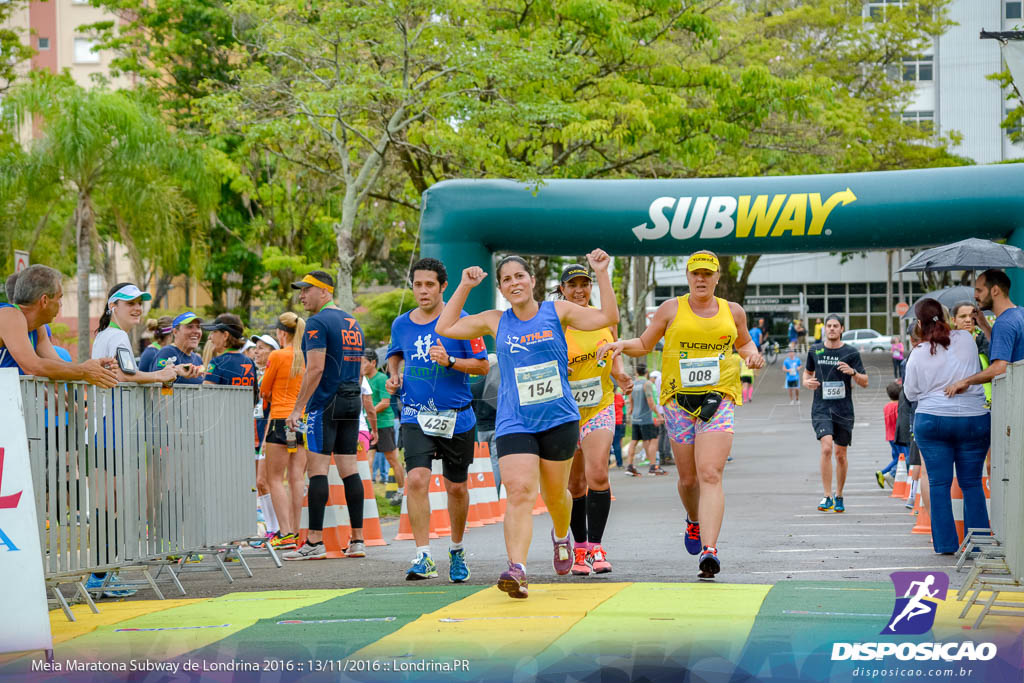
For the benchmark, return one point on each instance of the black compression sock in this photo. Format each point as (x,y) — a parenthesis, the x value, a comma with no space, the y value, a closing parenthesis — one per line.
(354,499)
(578,520)
(598,505)
(317,501)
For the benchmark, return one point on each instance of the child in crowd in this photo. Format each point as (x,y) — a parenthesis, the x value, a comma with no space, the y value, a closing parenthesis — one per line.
(897,449)
(792,365)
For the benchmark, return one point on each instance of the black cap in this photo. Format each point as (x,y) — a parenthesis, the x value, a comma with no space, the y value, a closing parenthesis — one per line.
(226,322)
(370,354)
(316,278)
(575,270)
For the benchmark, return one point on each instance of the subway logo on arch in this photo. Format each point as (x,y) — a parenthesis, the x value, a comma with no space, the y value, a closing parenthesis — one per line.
(761,215)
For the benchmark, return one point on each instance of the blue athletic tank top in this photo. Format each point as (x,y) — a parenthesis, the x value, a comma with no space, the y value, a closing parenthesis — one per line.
(533,358)
(6,359)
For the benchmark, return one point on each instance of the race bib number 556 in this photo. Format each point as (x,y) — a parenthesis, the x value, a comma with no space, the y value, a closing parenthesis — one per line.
(538,383)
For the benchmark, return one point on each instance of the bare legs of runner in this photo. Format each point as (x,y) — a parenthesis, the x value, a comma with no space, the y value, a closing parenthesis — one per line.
(700,468)
(827,450)
(522,474)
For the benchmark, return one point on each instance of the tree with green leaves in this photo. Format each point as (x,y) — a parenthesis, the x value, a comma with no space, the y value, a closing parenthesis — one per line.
(108,154)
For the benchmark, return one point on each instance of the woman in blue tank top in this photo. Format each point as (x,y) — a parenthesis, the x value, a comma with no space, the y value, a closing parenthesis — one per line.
(537,426)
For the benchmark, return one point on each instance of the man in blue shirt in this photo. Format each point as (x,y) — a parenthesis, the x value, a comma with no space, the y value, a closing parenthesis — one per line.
(992,292)
(438,422)
(792,365)
(37,296)
(187,333)
(757,333)
(330,396)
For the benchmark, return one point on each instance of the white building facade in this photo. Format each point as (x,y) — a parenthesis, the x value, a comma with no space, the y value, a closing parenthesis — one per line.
(952,93)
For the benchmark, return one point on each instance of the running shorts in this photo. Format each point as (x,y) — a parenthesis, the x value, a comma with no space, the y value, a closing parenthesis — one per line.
(385,440)
(604,419)
(556,444)
(455,454)
(914,454)
(792,383)
(683,428)
(335,429)
(276,433)
(746,380)
(841,434)
(642,432)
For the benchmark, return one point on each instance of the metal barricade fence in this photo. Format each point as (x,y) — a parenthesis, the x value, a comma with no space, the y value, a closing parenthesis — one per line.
(137,472)
(1007,480)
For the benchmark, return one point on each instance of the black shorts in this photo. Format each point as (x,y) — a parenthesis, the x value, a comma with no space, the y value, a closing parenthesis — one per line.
(335,429)
(643,432)
(556,444)
(385,440)
(913,455)
(747,380)
(792,384)
(455,454)
(276,433)
(842,435)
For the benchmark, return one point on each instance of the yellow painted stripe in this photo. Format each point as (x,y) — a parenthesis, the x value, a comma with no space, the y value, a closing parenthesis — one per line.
(709,619)
(191,626)
(110,613)
(490,625)
(949,625)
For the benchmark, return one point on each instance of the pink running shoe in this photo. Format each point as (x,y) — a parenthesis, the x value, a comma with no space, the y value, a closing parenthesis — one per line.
(513,581)
(563,559)
(599,560)
(579,564)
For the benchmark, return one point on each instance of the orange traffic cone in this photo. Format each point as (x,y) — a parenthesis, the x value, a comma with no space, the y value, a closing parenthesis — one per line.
(957,497)
(540,508)
(404,525)
(440,523)
(372,533)
(923,525)
(337,531)
(899,488)
(502,503)
(482,481)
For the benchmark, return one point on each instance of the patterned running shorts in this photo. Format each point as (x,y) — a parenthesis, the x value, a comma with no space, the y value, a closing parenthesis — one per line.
(684,428)
(604,419)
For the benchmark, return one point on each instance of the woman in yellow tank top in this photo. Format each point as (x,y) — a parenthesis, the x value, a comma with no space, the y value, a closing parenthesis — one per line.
(591,382)
(700,385)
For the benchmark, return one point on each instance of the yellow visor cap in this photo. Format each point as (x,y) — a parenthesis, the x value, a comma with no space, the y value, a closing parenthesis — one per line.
(702,261)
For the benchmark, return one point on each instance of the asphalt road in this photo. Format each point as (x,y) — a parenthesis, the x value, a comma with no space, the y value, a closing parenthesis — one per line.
(772,527)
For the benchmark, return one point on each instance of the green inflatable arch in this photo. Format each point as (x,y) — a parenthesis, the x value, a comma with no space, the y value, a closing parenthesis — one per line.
(465,221)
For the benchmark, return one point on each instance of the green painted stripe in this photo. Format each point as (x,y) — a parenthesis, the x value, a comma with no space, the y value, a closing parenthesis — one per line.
(174,632)
(337,636)
(658,623)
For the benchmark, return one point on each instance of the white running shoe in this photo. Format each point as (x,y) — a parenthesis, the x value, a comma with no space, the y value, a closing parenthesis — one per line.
(307,552)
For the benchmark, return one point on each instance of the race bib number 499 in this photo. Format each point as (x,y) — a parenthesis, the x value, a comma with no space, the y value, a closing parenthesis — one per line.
(587,392)
(538,383)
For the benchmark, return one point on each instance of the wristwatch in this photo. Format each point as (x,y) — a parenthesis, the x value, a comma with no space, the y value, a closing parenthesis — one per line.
(451,362)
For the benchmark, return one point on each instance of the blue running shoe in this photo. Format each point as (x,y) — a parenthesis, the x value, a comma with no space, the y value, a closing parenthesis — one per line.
(458,571)
(423,567)
(839,507)
(826,504)
(113,589)
(692,537)
(709,564)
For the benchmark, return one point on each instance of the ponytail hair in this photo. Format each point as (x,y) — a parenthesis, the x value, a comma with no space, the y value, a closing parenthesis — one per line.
(107,312)
(293,325)
(155,327)
(932,317)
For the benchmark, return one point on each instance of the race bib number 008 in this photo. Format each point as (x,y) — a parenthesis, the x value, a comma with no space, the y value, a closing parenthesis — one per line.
(538,383)
(833,391)
(587,392)
(699,372)
(440,424)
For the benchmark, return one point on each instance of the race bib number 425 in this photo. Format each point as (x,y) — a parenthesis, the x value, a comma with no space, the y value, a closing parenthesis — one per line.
(440,424)
(587,392)
(538,383)
(699,372)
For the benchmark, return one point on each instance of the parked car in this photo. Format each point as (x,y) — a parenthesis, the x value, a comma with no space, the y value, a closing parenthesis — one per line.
(867,340)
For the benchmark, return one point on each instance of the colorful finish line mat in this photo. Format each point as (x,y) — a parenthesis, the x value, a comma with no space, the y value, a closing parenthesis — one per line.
(590,630)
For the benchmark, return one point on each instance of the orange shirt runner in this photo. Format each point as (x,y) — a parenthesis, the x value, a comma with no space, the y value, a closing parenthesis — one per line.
(278,386)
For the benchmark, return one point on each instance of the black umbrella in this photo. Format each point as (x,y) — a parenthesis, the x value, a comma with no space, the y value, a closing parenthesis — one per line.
(948,297)
(968,254)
